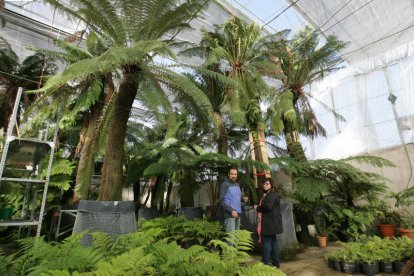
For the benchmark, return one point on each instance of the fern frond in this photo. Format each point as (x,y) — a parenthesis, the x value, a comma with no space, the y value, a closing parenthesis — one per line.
(112,59)
(260,269)
(374,161)
(311,188)
(134,262)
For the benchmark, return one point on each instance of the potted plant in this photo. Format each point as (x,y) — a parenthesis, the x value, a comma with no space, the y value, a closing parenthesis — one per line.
(369,256)
(387,254)
(350,257)
(334,259)
(324,227)
(388,219)
(322,230)
(407,225)
(402,248)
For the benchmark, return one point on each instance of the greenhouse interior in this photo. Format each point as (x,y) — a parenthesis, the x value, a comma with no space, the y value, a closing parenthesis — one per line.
(207,137)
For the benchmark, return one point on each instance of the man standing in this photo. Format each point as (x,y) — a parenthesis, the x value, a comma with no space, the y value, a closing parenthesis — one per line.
(230,201)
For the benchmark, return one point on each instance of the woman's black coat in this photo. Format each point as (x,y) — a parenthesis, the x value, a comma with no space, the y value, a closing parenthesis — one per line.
(271,216)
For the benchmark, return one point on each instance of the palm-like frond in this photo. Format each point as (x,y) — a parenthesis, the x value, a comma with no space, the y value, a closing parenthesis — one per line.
(112,59)
(302,60)
(186,90)
(336,177)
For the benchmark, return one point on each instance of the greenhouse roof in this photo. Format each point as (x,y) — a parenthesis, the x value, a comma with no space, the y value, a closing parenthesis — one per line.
(378,58)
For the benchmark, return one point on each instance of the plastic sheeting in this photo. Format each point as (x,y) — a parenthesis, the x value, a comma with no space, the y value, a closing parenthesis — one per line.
(36,24)
(111,217)
(362,95)
(287,238)
(371,27)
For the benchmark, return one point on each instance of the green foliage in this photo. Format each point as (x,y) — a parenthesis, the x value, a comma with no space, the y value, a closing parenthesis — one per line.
(184,231)
(404,197)
(14,201)
(369,253)
(388,250)
(337,178)
(311,188)
(260,269)
(335,186)
(61,173)
(300,61)
(3,264)
(373,249)
(37,256)
(356,219)
(407,220)
(139,253)
(351,251)
(374,161)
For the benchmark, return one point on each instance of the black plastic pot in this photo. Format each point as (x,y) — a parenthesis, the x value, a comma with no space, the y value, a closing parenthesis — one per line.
(348,267)
(385,267)
(336,265)
(370,269)
(358,268)
(331,263)
(398,266)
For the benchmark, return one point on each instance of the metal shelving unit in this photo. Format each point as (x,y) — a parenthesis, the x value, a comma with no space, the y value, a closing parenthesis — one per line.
(27,152)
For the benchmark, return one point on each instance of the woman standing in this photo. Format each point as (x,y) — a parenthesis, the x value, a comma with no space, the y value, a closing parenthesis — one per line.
(270,222)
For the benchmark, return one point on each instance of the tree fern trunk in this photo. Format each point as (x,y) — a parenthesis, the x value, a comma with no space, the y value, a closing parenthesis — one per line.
(112,172)
(7,107)
(259,153)
(86,161)
(222,139)
(168,196)
(294,146)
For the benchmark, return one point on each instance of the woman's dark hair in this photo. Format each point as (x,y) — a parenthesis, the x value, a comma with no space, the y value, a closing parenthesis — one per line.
(272,183)
(270,180)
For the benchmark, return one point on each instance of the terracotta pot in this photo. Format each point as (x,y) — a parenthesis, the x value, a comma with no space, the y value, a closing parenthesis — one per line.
(387,230)
(407,232)
(322,241)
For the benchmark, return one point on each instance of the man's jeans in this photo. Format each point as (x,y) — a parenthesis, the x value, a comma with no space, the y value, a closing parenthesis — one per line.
(232,224)
(271,247)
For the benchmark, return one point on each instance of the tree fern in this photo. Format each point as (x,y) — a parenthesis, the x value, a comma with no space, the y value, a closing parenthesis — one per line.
(338,178)
(374,161)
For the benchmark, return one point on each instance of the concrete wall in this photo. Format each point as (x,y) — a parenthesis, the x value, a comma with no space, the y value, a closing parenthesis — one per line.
(401,176)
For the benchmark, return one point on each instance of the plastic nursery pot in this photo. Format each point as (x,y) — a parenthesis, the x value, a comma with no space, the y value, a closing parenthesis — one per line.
(331,263)
(387,230)
(398,266)
(336,265)
(370,269)
(385,267)
(348,267)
